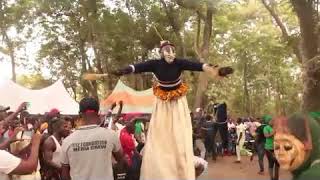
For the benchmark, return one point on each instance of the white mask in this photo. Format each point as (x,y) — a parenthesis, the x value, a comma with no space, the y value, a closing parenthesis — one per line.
(168,54)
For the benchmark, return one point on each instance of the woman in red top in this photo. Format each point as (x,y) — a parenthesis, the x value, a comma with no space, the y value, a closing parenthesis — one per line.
(127,141)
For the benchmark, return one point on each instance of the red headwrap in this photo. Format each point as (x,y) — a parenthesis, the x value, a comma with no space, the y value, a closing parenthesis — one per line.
(90,111)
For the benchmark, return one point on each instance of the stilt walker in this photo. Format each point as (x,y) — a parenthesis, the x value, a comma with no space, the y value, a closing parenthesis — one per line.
(168,153)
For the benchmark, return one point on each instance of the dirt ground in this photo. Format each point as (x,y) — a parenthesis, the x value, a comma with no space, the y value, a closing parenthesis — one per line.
(225,168)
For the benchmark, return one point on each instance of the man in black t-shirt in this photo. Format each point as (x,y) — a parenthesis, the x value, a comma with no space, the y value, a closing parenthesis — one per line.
(221,125)
(259,143)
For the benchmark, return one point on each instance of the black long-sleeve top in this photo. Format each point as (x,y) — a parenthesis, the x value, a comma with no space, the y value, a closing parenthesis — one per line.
(167,75)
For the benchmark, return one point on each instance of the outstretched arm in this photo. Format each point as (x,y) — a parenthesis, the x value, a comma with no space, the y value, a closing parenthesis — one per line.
(147,66)
(18,111)
(116,119)
(109,113)
(189,65)
(213,71)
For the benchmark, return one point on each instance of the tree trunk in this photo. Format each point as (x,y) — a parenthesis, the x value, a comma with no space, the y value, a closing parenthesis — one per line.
(311,86)
(7,41)
(89,87)
(204,52)
(311,63)
(181,44)
(13,66)
(83,69)
(285,34)
(246,99)
(203,80)
(10,47)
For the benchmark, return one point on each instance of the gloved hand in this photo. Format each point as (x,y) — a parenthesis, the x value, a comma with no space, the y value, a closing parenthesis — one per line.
(225,71)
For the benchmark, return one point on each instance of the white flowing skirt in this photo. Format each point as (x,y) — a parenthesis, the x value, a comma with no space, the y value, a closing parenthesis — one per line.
(168,153)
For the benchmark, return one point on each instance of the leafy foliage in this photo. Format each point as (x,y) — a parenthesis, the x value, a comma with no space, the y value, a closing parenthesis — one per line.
(99,36)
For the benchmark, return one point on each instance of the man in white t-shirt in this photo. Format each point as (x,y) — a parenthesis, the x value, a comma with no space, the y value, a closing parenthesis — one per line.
(12,165)
(241,129)
(87,152)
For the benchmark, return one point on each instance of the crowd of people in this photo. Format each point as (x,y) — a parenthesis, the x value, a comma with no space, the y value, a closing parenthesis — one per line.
(243,136)
(111,146)
(89,146)
(38,146)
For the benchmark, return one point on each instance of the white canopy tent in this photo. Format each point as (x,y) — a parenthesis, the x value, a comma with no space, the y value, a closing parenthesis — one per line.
(41,101)
(134,101)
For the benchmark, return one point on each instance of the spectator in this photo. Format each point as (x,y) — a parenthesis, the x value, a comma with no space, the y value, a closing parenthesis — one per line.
(231,124)
(260,141)
(69,124)
(208,140)
(199,137)
(253,124)
(54,113)
(52,152)
(232,140)
(241,128)
(131,154)
(6,143)
(220,112)
(3,130)
(127,141)
(269,134)
(139,134)
(12,165)
(87,152)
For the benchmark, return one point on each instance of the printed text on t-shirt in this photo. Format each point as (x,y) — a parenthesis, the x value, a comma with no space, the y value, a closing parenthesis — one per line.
(87,146)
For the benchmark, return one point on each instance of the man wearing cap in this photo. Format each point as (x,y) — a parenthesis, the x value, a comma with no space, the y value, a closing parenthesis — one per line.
(87,152)
(4,109)
(54,113)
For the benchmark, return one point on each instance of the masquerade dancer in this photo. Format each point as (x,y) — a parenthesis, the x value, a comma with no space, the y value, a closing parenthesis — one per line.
(168,152)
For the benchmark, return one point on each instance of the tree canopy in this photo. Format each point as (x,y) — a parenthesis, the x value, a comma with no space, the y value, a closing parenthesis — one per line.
(271,44)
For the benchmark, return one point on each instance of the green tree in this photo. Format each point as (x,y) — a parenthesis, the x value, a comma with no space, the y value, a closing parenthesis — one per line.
(34,81)
(265,69)
(14,17)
